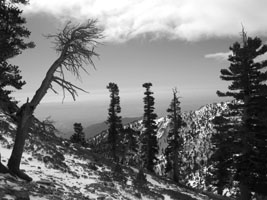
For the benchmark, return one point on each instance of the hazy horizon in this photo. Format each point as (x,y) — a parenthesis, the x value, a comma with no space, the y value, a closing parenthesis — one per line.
(92,112)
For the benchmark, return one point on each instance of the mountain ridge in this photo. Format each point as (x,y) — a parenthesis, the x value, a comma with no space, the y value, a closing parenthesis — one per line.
(94,129)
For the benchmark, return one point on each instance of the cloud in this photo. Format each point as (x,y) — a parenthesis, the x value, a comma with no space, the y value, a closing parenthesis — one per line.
(173,19)
(221,56)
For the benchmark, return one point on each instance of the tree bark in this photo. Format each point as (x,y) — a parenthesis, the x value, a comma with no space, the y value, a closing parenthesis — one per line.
(24,116)
(245,193)
(175,166)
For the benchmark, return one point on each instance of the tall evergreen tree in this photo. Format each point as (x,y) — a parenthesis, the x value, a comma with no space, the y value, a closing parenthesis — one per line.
(114,121)
(223,147)
(149,143)
(174,149)
(78,136)
(249,136)
(12,35)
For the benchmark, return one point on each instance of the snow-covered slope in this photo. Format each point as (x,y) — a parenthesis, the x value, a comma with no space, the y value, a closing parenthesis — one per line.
(61,170)
(196,134)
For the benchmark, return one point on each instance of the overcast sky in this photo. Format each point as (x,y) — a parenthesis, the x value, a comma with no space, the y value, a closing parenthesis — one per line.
(170,43)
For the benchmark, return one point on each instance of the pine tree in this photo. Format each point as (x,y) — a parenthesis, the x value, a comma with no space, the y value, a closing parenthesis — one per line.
(249,136)
(149,143)
(12,30)
(222,159)
(78,136)
(9,77)
(174,149)
(12,35)
(114,121)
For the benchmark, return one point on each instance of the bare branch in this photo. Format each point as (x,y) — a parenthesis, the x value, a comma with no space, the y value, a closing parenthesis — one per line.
(51,87)
(75,45)
(66,85)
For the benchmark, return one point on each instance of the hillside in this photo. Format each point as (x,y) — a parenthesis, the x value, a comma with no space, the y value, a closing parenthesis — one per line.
(196,134)
(61,170)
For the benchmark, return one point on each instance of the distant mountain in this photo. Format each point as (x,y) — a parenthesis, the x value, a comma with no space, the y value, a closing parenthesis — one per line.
(198,122)
(95,129)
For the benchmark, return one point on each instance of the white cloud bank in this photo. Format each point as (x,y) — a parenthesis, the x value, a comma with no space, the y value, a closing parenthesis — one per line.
(173,19)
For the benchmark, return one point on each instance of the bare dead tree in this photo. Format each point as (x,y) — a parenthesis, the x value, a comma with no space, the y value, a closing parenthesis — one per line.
(75,45)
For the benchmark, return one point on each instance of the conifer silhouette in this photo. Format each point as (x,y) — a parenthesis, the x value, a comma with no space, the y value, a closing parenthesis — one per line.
(247,139)
(175,141)
(149,143)
(114,121)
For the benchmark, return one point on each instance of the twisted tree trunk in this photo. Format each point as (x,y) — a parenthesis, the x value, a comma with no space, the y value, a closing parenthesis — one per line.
(24,118)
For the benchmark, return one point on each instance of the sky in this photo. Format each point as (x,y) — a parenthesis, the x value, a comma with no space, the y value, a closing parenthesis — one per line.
(170,43)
